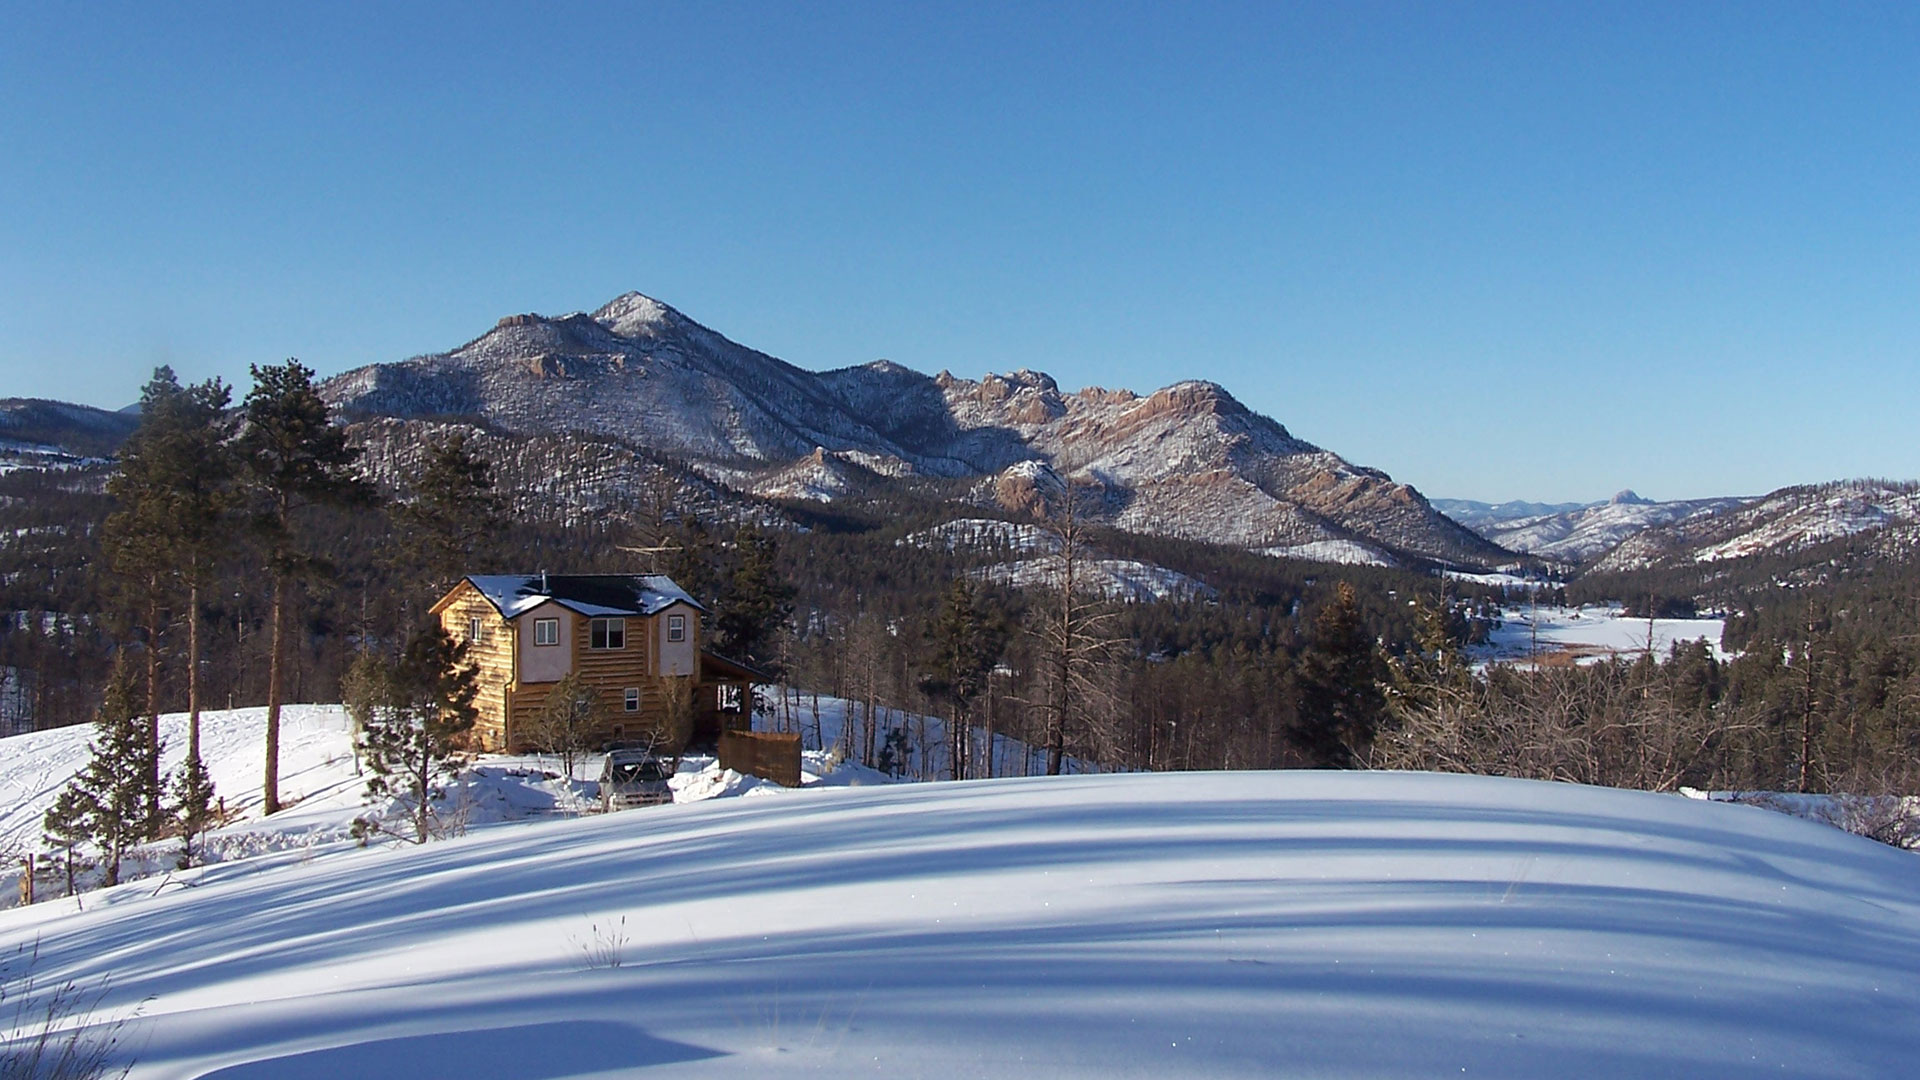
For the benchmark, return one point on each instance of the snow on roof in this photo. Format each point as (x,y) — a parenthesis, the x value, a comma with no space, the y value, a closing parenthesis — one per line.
(588,594)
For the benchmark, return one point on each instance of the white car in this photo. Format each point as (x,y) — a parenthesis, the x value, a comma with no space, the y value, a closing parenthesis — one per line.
(631,778)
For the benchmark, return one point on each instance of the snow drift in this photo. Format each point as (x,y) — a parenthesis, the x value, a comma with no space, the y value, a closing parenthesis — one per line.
(1226,924)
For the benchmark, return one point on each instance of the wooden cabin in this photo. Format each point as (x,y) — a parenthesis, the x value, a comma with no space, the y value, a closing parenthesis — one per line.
(635,639)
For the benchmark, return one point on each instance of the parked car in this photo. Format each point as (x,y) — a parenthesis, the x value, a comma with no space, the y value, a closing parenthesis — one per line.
(631,778)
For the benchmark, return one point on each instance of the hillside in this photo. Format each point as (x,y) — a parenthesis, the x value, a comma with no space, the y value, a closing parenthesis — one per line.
(1781,523)
(1581,533)
(636,376)
(38,433)
(1235,924)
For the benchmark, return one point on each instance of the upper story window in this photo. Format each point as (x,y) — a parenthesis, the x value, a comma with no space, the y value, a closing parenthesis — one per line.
(608,634)
(676,628)
(476,630)
(546,631)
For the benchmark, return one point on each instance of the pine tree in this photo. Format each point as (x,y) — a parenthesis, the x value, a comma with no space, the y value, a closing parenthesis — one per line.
(454,514)
(294,458)
(412,739)
(109,798)
(966,645)
(65,827)
(192,805)
(757,601)
(1340,677)
(171,485)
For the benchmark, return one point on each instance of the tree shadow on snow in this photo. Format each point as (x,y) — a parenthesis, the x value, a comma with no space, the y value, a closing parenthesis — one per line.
(547,1051)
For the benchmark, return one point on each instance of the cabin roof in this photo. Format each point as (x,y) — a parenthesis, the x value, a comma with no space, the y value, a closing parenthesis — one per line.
(728,668)
(513,595)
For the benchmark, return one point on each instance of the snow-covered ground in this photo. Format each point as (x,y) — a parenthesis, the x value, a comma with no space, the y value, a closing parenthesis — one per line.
(1587,634)
(324,791)
(1224,924)
(1346,552)
(1125,580)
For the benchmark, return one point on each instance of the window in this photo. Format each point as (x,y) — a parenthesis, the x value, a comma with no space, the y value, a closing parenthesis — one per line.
(633,699)
(546,631)
(676,628)
(474,628)
(608,634)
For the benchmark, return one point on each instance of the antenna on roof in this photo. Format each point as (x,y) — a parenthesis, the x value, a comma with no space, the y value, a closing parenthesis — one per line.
(653,554)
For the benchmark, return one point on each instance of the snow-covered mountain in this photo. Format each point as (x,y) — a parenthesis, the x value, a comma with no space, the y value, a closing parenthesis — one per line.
(1788,520)
(1578,533)
(1473,513)
(1188,460)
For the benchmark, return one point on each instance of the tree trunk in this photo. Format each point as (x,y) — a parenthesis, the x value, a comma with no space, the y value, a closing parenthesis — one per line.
(193,668)
(153,710)
(422,775)
(276,617)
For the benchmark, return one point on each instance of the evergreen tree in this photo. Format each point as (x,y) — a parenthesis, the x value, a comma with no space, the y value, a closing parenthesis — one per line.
(193,806)
(412,738)
(966,645)
(171,484)
(294,458)
(109,800)
(1339,685)
(454,516)
(365,687)
(757,601)
(65,827)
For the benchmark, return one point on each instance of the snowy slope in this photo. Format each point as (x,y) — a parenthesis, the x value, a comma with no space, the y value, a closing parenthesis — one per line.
(324,792)
(1783,522)
(316,765)
(1238,924)
(1126,580)
(1589,531)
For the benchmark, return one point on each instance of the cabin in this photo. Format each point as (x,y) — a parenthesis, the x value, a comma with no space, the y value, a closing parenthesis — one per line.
(635,639)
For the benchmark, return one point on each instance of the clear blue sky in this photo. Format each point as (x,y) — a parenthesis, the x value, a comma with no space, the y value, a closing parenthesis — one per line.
(1500,251)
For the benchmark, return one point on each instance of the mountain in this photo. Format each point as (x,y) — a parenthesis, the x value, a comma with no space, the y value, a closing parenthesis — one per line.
(1579,533)
(1188,460)
(1783,522)
(35,432)
(1475,514)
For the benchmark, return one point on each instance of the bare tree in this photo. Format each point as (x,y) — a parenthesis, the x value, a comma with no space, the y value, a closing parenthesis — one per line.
(1075,647)
(566,720)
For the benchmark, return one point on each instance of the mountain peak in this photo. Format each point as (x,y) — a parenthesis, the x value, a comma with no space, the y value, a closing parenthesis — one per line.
(635,313)
(1629,498)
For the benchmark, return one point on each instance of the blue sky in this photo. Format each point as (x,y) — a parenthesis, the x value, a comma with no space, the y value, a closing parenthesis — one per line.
(1500,251)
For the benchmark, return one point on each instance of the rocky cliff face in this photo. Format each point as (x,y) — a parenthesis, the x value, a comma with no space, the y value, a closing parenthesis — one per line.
(1188,460)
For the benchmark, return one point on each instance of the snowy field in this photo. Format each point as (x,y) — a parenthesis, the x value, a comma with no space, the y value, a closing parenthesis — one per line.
(1587,634)
(324,792)
(1227,924)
